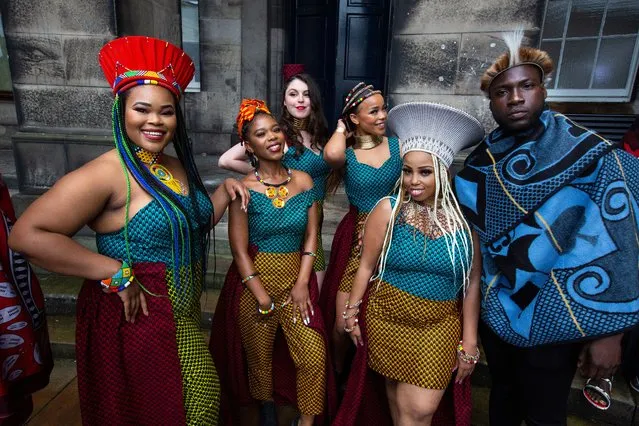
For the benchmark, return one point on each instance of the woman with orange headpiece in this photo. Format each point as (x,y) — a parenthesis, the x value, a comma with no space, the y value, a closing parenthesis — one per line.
(304,126)
(152,216)
(271,284)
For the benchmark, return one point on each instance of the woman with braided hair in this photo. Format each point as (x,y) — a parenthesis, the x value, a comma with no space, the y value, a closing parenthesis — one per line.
(152,217)
(370,164)
(417,268)
(271,287)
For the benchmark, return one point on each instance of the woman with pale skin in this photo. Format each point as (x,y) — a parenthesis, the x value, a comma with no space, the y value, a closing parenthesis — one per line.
(140,353)
(417,263)
(271,284)
(370,164)
(304,126)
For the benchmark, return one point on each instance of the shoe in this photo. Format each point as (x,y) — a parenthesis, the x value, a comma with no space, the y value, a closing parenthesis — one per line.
(634,383)
(268,415)
(592,390)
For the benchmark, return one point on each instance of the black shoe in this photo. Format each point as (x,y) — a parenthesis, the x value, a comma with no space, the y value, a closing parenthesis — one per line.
(296,421)
(268,415)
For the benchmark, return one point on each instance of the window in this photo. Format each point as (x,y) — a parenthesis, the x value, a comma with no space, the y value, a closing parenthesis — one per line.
(191,39)
(595,47)
(5,75)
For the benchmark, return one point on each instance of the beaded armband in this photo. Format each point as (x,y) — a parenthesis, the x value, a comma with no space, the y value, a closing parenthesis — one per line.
(250,277)
(120,280)
(309,253)
(266,312)
(464,356)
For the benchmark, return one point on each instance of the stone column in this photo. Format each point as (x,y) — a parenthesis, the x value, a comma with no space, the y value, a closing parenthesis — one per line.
(62,100)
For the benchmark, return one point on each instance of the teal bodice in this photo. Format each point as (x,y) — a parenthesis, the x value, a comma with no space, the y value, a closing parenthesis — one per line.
(366,185)
(150,235)
(311,163)
(427,274)
(275,230)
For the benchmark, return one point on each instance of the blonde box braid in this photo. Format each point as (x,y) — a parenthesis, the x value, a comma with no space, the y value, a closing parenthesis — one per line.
(455,223)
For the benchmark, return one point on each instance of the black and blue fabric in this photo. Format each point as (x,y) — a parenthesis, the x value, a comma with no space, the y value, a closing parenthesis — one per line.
(311,163)
(557,215)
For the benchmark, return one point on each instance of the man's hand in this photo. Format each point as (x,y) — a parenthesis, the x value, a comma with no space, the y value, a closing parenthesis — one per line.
(602,357)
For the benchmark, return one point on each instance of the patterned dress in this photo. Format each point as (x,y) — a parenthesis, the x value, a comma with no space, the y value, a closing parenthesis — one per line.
(413,319)
(365,186)
(241,337)
(315,165)
(156,370)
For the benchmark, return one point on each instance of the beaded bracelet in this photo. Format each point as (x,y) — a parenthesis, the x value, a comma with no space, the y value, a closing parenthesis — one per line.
(464,356)
(120,280)
(355,306)
(309,253)
(348,330)
(346,316)
(268,311)
(250,277)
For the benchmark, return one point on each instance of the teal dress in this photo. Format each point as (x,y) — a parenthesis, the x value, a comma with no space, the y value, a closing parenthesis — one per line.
(160,364)
(413,316)
(276,235)
(315,165)
(365,186)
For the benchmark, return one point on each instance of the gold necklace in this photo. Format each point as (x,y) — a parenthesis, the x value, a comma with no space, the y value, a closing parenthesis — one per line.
(151,161)
(300,123)
(276,192)
(367,141)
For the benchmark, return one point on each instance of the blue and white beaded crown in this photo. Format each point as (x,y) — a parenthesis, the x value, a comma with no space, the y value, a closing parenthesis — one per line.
(438,129)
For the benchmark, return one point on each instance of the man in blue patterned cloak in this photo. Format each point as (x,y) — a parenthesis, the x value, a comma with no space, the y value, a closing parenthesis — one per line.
(555,206)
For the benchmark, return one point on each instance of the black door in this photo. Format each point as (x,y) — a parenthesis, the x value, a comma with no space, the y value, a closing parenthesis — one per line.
(362,34)
(313,44)
(341,42)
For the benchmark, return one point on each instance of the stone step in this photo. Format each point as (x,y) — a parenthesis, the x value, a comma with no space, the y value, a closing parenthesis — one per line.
(8,169)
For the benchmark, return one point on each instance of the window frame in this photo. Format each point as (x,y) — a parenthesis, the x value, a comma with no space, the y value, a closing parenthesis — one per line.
(590,94)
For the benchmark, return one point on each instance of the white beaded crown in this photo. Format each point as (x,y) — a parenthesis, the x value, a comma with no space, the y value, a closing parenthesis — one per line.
(434,128)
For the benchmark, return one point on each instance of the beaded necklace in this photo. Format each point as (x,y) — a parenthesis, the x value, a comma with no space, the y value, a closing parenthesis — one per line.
(276,192)
(367,141)
(151,160)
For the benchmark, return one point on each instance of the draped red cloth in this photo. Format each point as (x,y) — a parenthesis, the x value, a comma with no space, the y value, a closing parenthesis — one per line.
(365,402)
(630,139)
(230,360)
(25,352)
(128,373)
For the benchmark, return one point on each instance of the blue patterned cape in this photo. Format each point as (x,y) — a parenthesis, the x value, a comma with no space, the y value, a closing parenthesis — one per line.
(556,211)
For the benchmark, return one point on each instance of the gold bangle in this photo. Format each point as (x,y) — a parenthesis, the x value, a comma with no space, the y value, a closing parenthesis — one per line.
(309,253)
(250,277)
(354,306)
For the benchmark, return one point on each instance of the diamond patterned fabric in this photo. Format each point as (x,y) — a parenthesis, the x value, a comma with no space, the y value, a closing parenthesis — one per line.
(161,360)
(318,169)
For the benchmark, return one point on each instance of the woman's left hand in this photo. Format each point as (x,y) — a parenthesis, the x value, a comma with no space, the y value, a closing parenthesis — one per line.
(235,188)
(464,370)
(301,300)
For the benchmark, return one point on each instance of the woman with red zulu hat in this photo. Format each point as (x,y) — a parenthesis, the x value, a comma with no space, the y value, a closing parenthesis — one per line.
(152,216)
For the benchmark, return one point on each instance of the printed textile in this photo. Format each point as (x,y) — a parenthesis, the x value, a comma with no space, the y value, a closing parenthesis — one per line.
(556,211)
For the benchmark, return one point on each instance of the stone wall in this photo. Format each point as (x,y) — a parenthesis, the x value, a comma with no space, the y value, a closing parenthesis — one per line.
(154,18)
(61,97)
(440,48)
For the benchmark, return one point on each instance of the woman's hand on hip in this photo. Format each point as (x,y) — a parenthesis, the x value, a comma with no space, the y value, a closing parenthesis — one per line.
(133,299)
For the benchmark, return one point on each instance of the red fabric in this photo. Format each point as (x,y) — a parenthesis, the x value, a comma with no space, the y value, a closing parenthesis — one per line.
(139,53)
(365,401)
(289,70)
(25,352)
(630,140)
(128,373)
(228,354)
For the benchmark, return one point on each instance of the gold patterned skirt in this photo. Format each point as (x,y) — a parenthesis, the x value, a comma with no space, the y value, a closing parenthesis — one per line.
(346,282)
(410,339)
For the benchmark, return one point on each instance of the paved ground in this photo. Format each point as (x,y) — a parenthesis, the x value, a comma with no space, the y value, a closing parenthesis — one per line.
(58,403)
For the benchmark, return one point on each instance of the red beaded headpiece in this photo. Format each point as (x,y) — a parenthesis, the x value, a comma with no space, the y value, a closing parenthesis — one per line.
(289,70)
(248,109)
(135,60)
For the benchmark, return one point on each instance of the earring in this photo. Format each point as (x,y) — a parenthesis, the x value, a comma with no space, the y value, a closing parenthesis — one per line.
(252,159)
